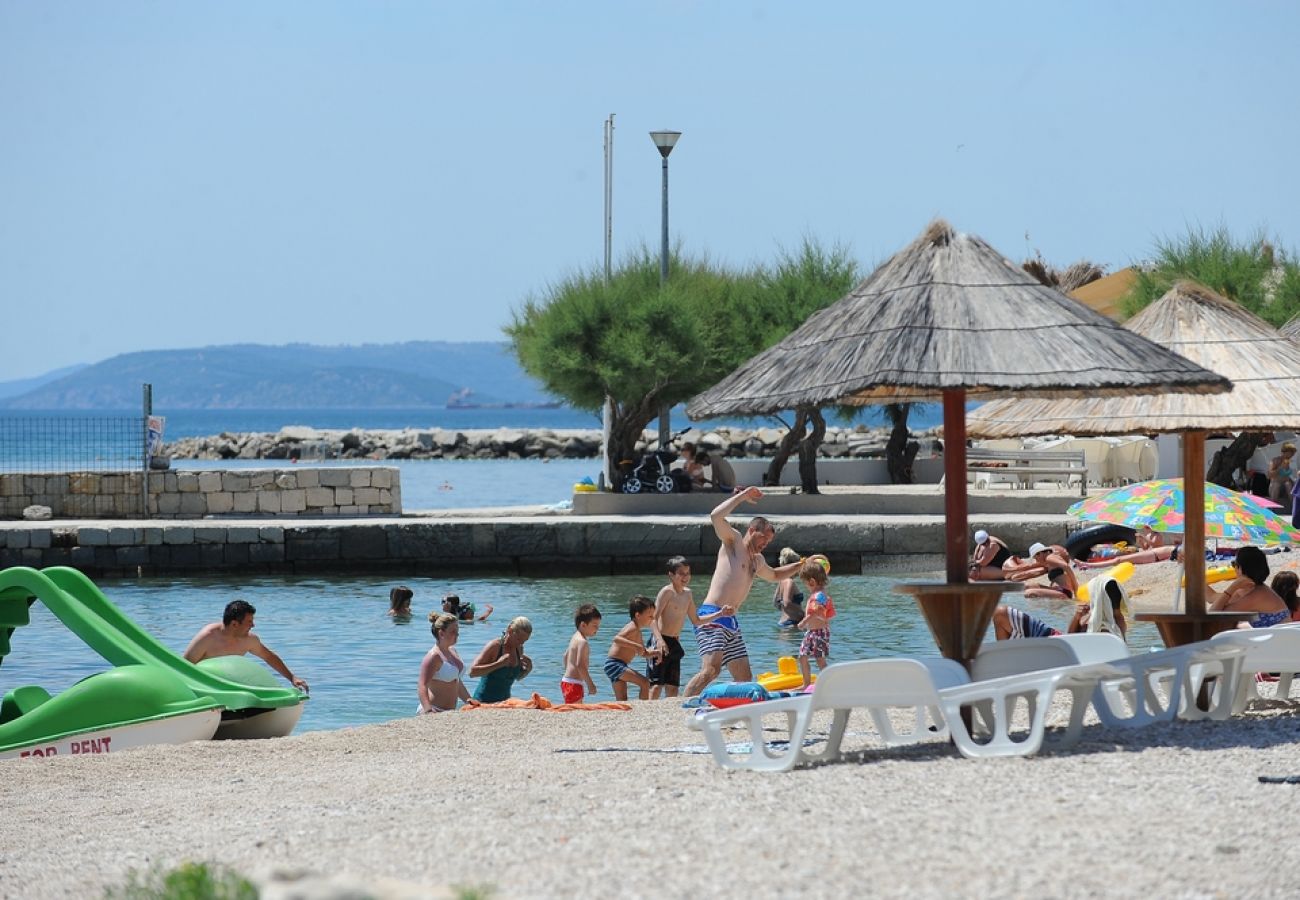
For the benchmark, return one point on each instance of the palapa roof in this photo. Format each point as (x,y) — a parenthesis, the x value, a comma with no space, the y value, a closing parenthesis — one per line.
(1104,294)
(1192,320)
(1292,327)
(949,312)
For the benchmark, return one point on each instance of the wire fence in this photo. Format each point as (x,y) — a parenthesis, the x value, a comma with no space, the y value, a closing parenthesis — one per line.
(76,465)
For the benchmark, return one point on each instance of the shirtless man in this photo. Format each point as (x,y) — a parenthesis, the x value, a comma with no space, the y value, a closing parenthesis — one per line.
(740,559)
(233,636)
(673,606)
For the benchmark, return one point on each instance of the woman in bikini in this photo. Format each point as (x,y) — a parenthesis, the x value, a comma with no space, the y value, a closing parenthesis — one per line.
(1063,583)
(502,662)
(1249,593)
(441,682)
(987,559)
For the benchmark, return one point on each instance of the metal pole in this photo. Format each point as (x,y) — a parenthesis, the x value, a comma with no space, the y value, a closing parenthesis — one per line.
(607,410)
(147,408)
(665,425)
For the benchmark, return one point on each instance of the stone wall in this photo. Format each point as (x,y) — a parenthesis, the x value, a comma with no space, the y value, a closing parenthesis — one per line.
(334,491)
(525,546)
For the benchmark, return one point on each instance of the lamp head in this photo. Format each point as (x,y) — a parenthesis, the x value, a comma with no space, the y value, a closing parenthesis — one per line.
(665,141)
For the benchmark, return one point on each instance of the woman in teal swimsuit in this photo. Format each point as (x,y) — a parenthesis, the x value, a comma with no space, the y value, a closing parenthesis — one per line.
(502,662)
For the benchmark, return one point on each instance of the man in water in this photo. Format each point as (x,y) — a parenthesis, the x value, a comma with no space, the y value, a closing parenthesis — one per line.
(233,636)
(740,558)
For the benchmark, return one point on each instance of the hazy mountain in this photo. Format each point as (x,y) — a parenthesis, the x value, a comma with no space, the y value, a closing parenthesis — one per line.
(23,385)
(295,376)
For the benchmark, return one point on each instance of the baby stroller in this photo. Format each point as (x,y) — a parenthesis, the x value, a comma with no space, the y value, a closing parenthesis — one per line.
(651,474)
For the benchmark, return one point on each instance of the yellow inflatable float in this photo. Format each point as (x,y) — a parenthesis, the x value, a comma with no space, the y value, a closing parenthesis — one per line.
(1217,573)
(1121,573)
(785,678)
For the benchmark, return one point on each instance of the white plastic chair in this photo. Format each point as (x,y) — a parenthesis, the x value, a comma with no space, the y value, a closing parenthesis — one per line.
(1135,700)
(876,685)
(995,699)
(1275,649)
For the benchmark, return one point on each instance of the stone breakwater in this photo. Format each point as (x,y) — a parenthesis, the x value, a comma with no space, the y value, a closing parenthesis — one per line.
(300,442)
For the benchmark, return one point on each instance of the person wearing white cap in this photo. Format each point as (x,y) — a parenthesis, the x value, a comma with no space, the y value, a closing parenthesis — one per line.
(987,559)
(1056,566)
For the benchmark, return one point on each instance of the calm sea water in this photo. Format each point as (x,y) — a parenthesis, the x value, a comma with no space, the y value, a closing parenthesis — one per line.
(362,666)
(426,484)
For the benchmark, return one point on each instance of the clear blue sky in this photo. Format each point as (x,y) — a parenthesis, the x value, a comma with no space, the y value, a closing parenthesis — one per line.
(177,174)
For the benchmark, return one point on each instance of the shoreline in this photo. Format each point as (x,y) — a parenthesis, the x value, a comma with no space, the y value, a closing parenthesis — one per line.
(403,802)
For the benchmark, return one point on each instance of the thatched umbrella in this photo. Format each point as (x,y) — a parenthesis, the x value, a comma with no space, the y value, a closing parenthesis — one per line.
(1192,320)
(949,317)
(1292,327)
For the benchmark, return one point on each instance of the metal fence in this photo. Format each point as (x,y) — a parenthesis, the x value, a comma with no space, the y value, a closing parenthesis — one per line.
(76,465)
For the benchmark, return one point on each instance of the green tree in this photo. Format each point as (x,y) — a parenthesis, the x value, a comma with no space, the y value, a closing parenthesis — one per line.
(1252,272)
(628,339)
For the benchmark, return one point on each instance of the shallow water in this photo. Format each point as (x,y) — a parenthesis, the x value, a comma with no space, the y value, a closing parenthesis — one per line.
(362,665)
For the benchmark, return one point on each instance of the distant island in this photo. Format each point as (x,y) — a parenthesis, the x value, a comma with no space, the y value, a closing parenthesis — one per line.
(413,374)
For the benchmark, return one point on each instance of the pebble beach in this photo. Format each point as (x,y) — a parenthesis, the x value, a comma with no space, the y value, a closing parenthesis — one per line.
(543,804)
(525,803)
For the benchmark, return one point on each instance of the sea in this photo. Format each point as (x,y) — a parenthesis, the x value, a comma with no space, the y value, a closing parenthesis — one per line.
(54,440)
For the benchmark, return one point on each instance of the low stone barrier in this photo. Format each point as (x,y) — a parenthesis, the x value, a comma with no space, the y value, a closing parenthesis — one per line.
(351,491)
(300,442)
(526,546)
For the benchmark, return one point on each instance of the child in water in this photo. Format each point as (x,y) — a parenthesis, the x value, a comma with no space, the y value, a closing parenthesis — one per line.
(453,606)
(628,644)
(816,623)
(586,622)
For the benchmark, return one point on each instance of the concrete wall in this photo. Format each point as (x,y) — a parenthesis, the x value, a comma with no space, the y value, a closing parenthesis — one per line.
(838,471)
(541,546)
(332,491)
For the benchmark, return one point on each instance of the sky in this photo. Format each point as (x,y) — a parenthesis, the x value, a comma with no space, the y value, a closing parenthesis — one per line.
(186,174)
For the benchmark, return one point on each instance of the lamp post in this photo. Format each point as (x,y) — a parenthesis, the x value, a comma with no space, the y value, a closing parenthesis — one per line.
(665,141)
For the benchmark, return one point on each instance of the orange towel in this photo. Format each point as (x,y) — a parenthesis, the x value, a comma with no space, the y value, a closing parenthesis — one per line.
(537,701)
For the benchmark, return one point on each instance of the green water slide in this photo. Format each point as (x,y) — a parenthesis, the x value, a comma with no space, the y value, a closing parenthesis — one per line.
(82,607)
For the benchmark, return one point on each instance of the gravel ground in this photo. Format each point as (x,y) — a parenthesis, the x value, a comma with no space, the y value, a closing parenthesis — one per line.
(486,798)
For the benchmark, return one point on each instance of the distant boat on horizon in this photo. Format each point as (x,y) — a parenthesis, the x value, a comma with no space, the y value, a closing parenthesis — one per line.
(464,399)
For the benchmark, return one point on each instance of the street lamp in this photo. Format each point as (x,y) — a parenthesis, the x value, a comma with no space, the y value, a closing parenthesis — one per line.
(665,141)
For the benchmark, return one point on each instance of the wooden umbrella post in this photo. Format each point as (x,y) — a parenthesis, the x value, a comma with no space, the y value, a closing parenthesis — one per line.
(1194,623)
(957,611)
(954,478)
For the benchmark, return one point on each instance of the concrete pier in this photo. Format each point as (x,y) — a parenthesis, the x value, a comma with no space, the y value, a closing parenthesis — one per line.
(523,541)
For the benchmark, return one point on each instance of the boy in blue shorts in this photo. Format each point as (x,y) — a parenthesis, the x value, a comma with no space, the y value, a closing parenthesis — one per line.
(628,645)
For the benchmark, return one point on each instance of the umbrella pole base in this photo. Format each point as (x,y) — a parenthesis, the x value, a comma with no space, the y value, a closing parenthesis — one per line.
(958,614)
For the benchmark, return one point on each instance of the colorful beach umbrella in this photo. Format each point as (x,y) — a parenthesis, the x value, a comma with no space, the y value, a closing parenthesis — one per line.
(1161,504)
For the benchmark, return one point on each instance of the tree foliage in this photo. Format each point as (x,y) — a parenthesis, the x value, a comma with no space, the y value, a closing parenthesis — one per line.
(643,346)
(1252,272)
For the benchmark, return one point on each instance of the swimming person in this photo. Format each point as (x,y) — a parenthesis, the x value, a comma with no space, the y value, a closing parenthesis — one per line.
(787,598)
(740,559)
(453,605)
(502,662)
(233,636)
(442,670)
(399,602)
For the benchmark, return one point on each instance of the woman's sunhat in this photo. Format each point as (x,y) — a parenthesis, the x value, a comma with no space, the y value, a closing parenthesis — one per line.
(1038,548)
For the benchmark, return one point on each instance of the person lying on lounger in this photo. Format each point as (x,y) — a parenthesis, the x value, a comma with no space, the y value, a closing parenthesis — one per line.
(1010,622)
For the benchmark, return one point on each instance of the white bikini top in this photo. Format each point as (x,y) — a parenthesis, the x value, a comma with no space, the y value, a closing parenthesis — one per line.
(453,672)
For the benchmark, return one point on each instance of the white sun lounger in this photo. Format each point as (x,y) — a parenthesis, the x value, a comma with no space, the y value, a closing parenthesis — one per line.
(876,685)
(1275,649)
(936,690)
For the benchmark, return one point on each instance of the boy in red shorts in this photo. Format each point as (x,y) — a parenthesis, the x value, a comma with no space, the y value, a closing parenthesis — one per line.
(586,621)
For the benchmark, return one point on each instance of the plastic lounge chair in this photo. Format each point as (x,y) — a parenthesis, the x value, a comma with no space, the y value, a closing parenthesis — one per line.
(874,684)
(1267,650)
(996,699)
(1134,701)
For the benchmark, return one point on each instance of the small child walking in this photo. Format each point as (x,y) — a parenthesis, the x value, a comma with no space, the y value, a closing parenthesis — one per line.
(816,622)
(628,644)
(586,621)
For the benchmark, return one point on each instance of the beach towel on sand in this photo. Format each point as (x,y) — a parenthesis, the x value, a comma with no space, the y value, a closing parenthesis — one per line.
(537,701)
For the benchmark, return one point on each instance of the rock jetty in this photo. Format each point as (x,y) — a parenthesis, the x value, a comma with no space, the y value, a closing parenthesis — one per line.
(304,443)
